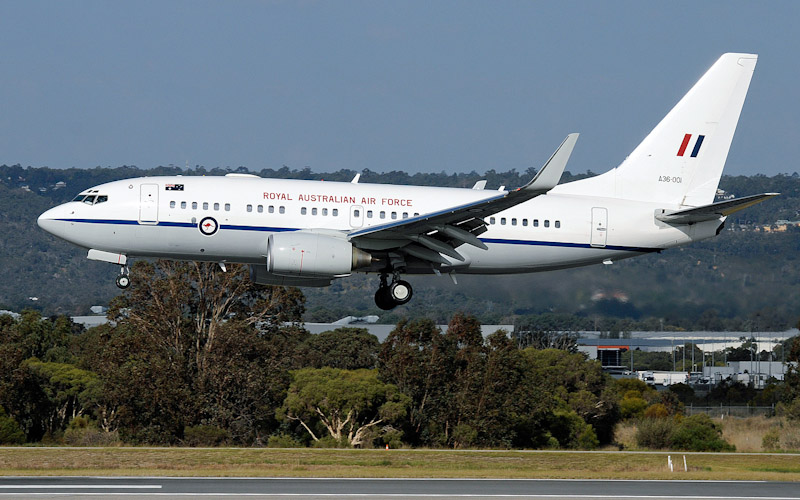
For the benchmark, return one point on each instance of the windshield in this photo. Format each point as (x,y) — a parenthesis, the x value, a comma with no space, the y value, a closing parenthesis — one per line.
(91,199)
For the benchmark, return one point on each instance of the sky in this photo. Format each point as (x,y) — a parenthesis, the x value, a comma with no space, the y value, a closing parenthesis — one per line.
(417,86)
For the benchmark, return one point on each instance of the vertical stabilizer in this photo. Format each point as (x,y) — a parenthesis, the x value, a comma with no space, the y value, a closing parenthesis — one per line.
(681,160)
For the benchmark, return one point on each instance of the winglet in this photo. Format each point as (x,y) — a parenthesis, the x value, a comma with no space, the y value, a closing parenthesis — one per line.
(550,174)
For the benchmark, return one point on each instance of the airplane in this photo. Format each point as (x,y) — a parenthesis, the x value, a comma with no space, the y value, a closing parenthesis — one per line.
(308,233)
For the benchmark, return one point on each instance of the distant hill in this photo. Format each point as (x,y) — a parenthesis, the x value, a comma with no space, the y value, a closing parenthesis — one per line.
(746,275)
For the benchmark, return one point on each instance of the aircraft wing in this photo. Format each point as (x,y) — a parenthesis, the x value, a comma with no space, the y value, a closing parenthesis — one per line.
(430,235)
(712,211)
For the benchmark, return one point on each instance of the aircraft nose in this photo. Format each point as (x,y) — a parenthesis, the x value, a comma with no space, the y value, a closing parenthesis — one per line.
(48,222)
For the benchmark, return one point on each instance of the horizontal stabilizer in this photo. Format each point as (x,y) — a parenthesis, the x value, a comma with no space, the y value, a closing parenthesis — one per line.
(712,211)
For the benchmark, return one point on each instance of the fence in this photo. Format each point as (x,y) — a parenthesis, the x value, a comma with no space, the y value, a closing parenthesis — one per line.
(731,411)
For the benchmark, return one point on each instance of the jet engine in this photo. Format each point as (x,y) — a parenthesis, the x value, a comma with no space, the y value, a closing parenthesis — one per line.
(302,254)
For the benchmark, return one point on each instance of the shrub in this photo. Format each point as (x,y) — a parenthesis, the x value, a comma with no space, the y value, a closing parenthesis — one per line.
(771,440)
(283,441)
(464,436)
(632,406)
(572,432)
(655,433)
(83,431)
(699,433)
(205,435)
(657,410)
(392,436)
(10,431)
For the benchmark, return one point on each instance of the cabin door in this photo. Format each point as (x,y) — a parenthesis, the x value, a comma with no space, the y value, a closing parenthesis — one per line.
(148,204)
(599,227)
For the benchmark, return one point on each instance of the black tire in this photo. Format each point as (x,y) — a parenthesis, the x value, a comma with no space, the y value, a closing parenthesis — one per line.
(400,292)
(123,281)
(384,300)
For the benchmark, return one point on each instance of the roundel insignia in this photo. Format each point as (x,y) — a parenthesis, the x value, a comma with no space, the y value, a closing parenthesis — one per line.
(208,226)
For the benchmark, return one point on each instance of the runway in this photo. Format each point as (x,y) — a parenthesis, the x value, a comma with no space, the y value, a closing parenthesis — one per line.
(309,489)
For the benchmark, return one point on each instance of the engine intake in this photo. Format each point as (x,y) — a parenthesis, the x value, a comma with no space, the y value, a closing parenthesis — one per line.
(299,253)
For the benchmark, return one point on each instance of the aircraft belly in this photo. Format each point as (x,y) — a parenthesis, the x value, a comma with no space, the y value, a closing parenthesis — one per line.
(188,243)
(524,258)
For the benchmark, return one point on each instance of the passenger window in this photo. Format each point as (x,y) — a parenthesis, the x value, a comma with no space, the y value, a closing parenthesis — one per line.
(405,215)
(216,206)
(356,213)
(335,212)
(205,205)
(546,223)
(227,207)
(282,209)
(261,209)
(271,209)
(524,222)
(535,222)
(172,204)
(491,220)
(558,223)
(250,208)
(502,221)
(416,214)
(101,199)
(303,211)
(183,205)
(383,214)
(314,211)
(514,222)
(369,214)
(394,215)
(325,212)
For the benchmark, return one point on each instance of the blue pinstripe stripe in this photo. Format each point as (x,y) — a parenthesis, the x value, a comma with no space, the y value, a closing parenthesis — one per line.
(500,241)
(567,245)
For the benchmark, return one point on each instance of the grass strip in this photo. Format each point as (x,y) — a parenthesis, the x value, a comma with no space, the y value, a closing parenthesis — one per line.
(259,462)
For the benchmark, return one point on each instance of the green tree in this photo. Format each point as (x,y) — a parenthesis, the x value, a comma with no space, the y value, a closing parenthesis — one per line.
(346,348)
(346,403)
(195,346)
(415,358)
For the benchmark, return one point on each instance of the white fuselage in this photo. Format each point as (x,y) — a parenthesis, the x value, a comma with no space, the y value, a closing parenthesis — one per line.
(142,217)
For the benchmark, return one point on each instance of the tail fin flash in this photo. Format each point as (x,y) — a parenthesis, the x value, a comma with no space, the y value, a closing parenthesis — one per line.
(681,160)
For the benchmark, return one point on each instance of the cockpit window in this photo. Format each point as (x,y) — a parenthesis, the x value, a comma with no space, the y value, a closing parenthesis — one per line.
(91,199)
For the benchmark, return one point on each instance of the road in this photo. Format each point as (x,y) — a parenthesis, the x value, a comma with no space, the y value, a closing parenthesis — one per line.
(309,489)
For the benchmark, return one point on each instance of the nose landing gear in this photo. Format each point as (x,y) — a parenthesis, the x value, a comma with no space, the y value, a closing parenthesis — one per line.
(397,293)
(123,280)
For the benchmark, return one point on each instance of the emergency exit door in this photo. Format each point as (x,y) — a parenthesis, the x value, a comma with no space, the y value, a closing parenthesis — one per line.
(599,227)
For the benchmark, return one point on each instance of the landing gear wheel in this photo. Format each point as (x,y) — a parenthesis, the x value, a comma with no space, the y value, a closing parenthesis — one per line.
(400,292)
(392,295)
(123,281)
(383,299)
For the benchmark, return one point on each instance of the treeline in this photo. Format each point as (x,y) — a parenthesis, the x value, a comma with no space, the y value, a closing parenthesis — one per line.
(195,356)
(738,281)
(77,179)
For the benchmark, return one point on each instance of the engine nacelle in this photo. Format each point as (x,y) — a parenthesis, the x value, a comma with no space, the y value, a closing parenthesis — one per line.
(260,275)
(298,253)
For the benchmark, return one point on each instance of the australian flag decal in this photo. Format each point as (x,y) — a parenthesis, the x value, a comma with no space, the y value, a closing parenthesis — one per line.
(686,140)
(173,187)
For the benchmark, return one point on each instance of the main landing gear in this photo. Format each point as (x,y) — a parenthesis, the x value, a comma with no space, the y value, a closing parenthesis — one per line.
(124,279)
(392,295)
